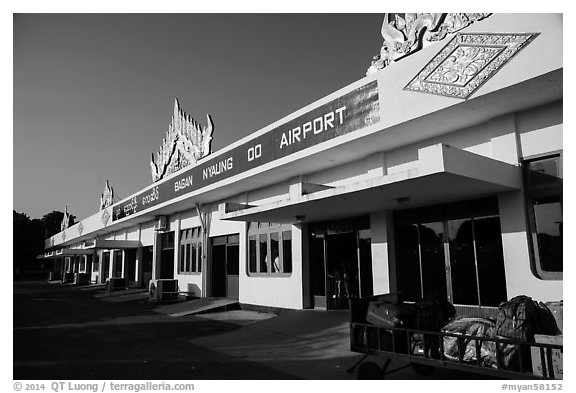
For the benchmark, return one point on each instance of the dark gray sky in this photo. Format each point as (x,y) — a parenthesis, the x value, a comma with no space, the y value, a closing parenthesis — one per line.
(94,93)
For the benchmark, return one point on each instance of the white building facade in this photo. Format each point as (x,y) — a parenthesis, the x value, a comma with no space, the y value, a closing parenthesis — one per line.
(439,173)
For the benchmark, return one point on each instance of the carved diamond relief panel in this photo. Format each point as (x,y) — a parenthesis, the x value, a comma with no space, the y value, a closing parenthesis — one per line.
(467,62)
(80,228)
(105,217)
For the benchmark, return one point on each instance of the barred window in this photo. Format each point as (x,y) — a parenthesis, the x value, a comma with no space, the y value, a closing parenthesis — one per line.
(190,251)
(269,249)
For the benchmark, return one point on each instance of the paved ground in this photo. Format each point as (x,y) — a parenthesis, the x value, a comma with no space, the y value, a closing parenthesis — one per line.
(62,332)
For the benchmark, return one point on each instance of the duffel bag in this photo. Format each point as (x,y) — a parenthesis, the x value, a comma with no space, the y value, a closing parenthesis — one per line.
(518,319)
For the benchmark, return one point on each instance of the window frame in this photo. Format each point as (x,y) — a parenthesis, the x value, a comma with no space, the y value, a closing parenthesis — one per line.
(190,245)
(255,231)
(531,194)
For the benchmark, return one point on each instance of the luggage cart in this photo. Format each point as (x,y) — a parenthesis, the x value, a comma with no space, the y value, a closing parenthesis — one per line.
(425,351)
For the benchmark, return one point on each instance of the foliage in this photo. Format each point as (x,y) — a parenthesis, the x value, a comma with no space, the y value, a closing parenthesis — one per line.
(29,236)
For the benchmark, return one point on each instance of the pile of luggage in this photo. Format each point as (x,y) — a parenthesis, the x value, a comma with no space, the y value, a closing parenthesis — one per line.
(521,320)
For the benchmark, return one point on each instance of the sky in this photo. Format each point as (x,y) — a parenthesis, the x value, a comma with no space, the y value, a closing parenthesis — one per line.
(93,94)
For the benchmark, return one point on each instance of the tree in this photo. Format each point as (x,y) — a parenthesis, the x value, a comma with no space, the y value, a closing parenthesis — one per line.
(52,222)
(29,237)
(28,240)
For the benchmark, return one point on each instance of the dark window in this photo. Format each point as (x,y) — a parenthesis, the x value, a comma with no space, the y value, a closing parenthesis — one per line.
(269,249)
(263,240)
(232,259)
(190,244)
(275,263)
(544,186)
(287,251)
(252,254)
(458,255)
(182,259)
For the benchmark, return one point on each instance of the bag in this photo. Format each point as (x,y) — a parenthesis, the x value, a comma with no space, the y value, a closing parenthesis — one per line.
(432,313)
(390,315)
(546,321)
(518,319)
(471,326)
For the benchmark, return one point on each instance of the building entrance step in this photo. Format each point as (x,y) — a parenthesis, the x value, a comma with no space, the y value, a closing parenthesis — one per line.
(198,306)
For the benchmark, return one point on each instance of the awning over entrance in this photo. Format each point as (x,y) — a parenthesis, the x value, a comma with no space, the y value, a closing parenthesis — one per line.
(441,174)
(64,252)
(111,244)
(90,247)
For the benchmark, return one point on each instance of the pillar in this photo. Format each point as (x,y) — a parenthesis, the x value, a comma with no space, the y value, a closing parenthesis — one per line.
(383,256)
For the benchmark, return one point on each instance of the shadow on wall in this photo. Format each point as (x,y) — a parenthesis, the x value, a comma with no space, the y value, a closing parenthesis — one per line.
(194,290)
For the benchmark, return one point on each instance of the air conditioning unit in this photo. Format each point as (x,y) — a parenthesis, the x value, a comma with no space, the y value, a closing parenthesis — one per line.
(81,278)
(161,223)
(116,284)
(67,278)
(163,289)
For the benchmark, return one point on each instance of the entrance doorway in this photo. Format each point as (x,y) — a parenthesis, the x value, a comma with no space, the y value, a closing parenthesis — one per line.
(225,261)
(167,256)
(118,263)
(130,261)
(341,262)
(454,251)
(105,266)
(147,254)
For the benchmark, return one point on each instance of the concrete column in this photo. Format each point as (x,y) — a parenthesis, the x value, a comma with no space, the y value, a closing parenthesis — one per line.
(177,250)
(504,139)
(295,187)
(243,279)
(376,165)
(124,264)
(139,253)
(112,268)
(301,256)
(383,255)
(101,267)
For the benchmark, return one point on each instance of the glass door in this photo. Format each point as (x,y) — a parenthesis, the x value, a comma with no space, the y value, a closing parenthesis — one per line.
(459,256)
(318,269)
(340,262)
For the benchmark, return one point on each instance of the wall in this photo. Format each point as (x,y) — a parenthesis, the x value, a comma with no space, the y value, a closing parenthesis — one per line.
(540,129)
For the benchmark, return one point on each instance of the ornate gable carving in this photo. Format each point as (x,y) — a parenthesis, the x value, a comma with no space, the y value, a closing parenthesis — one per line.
(184,144)
(406,33)
(107,198)
(65,220)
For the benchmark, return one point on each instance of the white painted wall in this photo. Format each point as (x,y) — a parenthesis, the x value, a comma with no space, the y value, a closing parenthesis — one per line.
(147,234)
(133,233)
(540,129)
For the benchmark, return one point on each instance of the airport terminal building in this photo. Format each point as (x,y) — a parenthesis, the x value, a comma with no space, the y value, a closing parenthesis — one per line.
(440,171)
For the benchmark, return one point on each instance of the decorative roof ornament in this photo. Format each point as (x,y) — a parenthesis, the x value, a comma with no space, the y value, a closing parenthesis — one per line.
(467,62)
(65,220)
(406,33)
(185,143)
(107,198)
